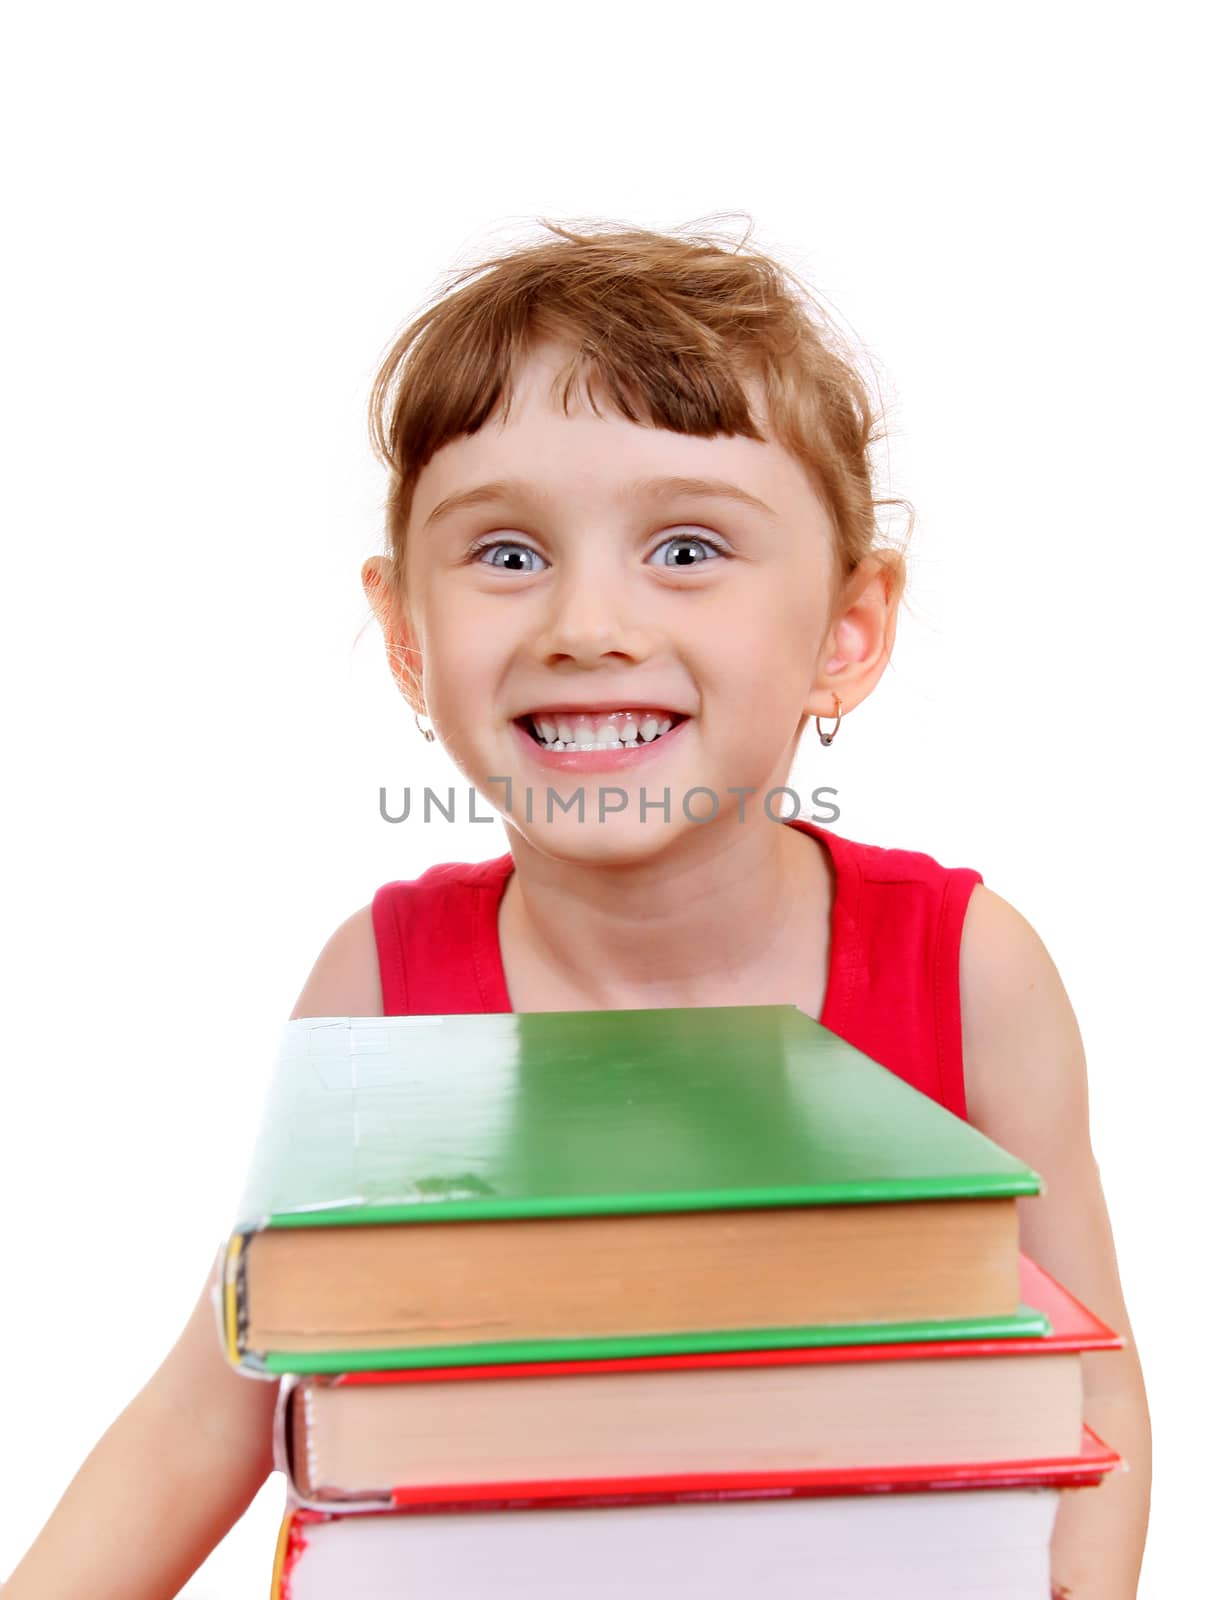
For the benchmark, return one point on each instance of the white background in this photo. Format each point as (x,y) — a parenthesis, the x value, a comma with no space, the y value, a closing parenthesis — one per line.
(218,217)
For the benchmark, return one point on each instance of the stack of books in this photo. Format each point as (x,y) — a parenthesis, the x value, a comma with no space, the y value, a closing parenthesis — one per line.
(616,1303)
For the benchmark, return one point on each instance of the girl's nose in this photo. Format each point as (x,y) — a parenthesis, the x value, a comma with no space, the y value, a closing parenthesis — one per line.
(591,616)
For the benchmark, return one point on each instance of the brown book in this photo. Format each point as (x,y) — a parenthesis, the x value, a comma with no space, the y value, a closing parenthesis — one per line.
(420,1285)
(575,1184)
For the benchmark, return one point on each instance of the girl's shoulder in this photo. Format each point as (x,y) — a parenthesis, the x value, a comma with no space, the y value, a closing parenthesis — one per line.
(1022,1047)
(344,982)
(449,907)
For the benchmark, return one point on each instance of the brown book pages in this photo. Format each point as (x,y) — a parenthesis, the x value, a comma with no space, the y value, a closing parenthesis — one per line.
(372,1438)
(415,1285)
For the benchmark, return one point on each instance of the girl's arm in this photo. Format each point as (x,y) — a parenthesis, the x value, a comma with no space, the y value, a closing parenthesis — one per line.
(163,1485)
(1025,1077)
(184,1460)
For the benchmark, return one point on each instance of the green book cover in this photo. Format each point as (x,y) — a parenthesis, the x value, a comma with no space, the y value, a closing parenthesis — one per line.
(577,1113)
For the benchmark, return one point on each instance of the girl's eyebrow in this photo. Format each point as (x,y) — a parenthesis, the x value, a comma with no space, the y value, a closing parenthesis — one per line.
(660,488)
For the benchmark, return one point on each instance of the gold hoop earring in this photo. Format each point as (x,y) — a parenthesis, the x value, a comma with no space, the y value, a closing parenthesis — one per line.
(426,732)
(828,738)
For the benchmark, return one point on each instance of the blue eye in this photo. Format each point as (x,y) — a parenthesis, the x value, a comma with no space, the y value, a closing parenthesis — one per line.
(504,554)
(507,545)
(688,539)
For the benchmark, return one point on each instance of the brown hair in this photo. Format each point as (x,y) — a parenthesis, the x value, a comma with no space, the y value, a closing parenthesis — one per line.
(671,324)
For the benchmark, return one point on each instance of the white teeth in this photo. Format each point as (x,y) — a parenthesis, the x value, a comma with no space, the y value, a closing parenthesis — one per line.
(593,732)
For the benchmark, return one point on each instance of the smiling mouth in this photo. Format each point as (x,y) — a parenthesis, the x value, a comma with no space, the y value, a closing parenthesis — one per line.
(618,731)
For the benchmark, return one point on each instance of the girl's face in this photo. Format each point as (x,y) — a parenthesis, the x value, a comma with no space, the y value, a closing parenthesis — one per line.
(593,583)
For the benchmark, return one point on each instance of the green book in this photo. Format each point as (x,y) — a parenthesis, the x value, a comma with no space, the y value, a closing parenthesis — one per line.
(435,1191)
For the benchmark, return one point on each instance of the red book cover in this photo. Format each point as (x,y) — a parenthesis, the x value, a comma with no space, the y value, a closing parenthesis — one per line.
(1073,1472)
(1095,1460)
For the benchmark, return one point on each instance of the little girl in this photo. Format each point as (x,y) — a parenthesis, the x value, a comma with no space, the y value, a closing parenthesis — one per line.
(632,558)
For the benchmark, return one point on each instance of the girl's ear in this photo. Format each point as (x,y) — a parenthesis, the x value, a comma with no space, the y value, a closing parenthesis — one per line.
(859,641)
(403,657)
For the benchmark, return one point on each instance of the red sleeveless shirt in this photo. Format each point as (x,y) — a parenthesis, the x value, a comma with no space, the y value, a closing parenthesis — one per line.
(893,987)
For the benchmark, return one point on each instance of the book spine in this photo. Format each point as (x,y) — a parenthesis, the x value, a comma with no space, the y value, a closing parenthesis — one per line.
(292,1541)
(234,1318)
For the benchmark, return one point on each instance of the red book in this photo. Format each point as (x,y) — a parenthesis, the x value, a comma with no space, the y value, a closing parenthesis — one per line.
(826,1420)
(990,1534)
